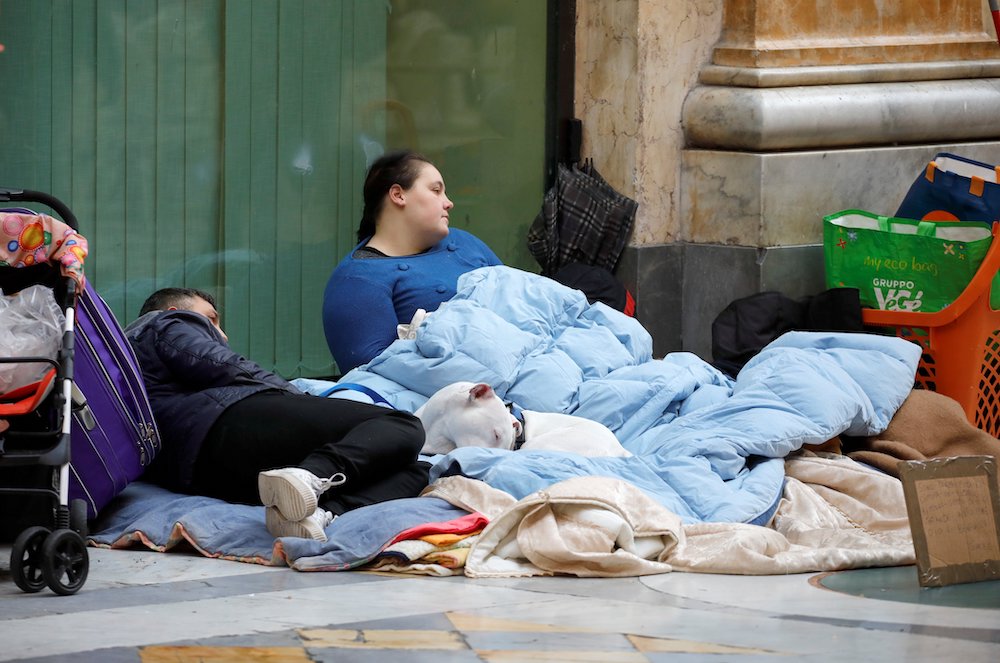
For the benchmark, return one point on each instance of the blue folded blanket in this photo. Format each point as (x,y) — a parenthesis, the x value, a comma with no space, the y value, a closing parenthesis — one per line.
(161,520)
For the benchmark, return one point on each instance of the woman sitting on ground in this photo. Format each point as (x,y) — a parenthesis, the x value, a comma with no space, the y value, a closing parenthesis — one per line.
(407,259)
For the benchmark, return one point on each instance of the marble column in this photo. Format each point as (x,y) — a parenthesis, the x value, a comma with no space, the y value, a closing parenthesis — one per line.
(796,111)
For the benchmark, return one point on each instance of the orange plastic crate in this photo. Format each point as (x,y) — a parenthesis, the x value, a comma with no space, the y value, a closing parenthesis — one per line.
(961,345)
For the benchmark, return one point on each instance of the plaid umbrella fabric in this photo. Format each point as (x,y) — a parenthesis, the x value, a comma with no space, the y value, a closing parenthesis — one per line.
(583,219)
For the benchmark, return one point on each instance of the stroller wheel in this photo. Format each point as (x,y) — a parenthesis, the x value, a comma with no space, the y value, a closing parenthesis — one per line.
(26,559)
(64,562)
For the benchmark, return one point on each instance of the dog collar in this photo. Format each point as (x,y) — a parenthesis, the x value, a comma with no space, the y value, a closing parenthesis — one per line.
(518,414)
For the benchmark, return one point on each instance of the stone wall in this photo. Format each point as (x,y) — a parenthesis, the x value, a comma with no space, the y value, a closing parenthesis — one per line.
(738,124)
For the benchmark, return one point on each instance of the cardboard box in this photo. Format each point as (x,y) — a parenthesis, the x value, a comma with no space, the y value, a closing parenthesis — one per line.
(954,509)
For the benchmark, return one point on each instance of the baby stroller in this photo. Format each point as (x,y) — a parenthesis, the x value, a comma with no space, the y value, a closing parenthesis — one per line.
(35,418)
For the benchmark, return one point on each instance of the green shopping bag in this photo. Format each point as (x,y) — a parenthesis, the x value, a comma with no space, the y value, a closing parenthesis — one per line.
(902,264)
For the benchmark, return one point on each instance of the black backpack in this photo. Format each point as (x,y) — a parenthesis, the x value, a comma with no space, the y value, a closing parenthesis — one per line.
(598,284)
(746,325)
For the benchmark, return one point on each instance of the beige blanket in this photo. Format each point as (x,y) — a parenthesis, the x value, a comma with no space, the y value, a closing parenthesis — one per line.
(834,514)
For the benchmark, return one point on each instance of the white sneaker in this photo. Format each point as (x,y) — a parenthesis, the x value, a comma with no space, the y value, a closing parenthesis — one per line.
(294,491)
(311,527)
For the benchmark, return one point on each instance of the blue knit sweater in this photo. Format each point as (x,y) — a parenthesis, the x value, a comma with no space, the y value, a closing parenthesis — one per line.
(366,298)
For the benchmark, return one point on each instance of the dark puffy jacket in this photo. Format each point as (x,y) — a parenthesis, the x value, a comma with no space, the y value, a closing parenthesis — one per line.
(191,376)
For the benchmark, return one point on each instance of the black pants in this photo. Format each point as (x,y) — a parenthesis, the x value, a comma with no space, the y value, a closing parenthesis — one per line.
(376,448)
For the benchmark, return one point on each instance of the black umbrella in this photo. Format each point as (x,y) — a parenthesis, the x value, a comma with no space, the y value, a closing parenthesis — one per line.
(583,219)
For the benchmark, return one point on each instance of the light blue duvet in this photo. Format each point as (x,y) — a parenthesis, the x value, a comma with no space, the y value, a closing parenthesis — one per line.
(709,448)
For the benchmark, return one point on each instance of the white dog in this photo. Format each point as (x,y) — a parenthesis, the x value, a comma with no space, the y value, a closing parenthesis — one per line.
(466,414)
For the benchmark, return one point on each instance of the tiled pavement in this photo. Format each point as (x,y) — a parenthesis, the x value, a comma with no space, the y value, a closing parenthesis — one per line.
(141,606)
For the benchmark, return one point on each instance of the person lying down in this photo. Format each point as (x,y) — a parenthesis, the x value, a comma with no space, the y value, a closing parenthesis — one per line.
(235,431)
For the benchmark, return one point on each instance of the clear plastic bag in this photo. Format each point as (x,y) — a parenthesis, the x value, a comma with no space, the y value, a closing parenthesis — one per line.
(31,324)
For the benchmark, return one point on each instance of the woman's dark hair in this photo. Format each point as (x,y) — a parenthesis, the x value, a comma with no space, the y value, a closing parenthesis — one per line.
(402,168)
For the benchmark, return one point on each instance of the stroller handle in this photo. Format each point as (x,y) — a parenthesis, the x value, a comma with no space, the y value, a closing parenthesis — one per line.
(26,195)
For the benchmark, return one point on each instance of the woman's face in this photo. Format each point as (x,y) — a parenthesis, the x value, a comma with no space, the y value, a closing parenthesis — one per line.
(427,206)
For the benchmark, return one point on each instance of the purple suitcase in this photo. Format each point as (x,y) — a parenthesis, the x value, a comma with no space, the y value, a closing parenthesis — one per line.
(114,437)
